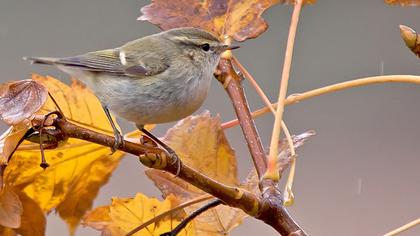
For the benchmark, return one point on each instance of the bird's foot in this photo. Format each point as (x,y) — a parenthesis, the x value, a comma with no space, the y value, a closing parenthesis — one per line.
(118,141)
(149,138)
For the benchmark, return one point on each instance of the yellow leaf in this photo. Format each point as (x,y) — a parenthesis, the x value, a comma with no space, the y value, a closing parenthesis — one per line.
(77,102)
(124,214)
(77,168)
(10,208)
(82,194)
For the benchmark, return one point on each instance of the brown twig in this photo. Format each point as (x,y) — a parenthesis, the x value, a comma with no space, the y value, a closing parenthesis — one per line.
(231,82)
(158,158)
(192,216)
(265,100)
(274,212)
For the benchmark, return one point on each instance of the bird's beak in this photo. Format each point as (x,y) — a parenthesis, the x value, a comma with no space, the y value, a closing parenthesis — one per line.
(230,47)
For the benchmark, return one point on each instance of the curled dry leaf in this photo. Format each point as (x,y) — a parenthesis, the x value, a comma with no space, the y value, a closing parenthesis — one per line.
(123,215)
(10,139)
(411,39)
(78,169)
(20,100)
(238,19)
(10,208)
(404,3)
(284,147)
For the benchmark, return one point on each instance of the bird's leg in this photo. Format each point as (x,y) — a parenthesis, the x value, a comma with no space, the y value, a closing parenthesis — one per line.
(119,139)
(163,145)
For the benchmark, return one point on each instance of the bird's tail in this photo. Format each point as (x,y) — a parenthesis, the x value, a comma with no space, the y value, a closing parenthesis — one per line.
(41,60)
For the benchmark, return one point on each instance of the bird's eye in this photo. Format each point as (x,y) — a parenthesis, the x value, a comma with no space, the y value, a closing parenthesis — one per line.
(205,47)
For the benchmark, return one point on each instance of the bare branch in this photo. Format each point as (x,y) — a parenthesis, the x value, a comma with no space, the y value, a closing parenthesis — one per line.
(272,172)
(298,97)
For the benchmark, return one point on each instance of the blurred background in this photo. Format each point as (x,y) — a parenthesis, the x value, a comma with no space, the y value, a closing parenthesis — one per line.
(358,176)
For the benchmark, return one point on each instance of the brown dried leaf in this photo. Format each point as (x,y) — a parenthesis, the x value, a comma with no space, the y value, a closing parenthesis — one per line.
(10,208)
(238,19)
(10,139)
(33,219)
(217,221)
(284,156)
(4,231)
(404,3)
(20,100)
(202,145)
(411,39)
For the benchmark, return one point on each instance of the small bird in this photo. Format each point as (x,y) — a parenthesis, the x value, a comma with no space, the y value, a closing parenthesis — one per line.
(160,78)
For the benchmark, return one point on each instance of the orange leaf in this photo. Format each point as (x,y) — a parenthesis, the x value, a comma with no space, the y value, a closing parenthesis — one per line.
(19,100)
(98,219)
(411,39)
(10,208)
(238,19)
(404,3)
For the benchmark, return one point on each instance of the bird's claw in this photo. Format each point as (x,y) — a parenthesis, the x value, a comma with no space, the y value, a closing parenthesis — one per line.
(118,142)
(175,157)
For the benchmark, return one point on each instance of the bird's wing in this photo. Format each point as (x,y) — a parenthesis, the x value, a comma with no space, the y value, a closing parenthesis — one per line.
(113,61)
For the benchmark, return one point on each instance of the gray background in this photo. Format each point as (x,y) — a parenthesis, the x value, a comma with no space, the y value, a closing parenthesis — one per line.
(358,176)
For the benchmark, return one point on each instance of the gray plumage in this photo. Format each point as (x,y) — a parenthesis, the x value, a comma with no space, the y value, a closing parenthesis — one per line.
(156,79)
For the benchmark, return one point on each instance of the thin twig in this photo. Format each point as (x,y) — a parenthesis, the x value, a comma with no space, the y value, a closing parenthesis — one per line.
(272,172)
(404,227)
(191,217)
(232,84)
(265,99)
(288,199)
(298,97)
(170,212)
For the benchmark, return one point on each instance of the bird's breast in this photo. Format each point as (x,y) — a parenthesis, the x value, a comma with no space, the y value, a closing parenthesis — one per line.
(158,99)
